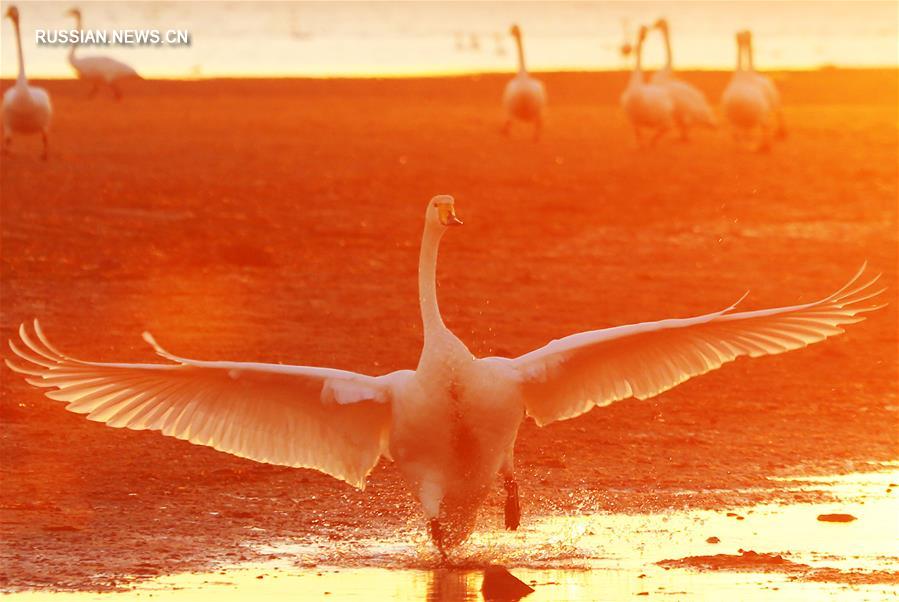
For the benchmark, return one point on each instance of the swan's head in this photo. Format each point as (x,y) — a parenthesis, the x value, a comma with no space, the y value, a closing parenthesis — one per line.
(515,31)
(12,13)
(641,34)
(442,211)
(742,37)
(73,13)
(661,24)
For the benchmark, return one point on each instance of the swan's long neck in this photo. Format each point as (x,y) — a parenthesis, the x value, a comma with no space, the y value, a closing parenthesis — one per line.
(637,73)
(522,68)
(22,79)
(427,281)
(667,49)
(739,67)
(75,43)
(750,63)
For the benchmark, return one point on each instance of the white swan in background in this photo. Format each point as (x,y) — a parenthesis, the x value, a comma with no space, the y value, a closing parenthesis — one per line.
(26,109)
(766,84)
(99,69)
(690,105)
(746,105)
(647,105)
(524,97)
(450,425)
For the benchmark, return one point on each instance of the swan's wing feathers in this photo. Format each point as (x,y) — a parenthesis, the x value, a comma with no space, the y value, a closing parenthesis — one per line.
(331,420)
(572,375)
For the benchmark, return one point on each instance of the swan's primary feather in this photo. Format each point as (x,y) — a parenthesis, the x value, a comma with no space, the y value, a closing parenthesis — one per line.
(570,376)
(331,420)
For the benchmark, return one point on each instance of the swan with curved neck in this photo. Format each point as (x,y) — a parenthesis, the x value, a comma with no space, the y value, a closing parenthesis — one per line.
(690,105)
(648,106)
(746,105)
(26,108)
(99,70)
(449,425)
(524,98)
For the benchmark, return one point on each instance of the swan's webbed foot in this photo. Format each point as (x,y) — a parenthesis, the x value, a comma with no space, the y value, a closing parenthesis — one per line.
(513,508)
(436,531)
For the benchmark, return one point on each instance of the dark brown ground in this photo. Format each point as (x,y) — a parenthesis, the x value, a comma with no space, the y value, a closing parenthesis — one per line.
(280,221)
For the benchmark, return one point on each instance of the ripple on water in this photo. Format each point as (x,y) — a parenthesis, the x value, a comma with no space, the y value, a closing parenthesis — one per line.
(777,551)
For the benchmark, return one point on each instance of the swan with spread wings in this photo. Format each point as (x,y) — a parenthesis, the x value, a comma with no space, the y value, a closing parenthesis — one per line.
(449,425)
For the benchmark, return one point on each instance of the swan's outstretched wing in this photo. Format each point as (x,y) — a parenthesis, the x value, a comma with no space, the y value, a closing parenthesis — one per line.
(570,376)
(331,420)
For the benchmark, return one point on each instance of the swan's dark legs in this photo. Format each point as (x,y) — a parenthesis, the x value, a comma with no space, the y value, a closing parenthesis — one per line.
(7,142)
(513,508)
(46,141)
(781,132)
(116,92)
(94,89)
(657,136)
(436,531)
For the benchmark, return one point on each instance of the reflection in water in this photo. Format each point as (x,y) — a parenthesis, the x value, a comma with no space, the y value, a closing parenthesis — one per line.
(587,557)
(446,585)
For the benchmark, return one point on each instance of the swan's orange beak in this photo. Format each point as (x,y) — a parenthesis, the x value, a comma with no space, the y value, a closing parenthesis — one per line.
(448,215)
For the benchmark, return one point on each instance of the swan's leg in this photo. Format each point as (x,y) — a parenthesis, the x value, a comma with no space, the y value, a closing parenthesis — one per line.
(94,89)
(512,513)
(46,139)
(7,142)
(781,126)
(116,92)
(431,496)
(657,136)
(435,529)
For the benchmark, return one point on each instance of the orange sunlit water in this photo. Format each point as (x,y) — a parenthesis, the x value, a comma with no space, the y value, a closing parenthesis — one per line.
(572,558)
(423,38)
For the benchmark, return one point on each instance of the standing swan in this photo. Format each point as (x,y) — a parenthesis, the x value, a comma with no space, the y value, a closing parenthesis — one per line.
(746,105)
(647,105)
(450,425)
(690,105)
(767,86)
(99,69)
(26,109)
(524,97)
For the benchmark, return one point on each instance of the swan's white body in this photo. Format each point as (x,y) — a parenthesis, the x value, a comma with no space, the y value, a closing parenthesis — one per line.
(647,105)
(99,69)
(690,105)
(524,98)
(450,425)
(26,108)
(750,101)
